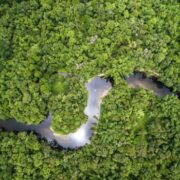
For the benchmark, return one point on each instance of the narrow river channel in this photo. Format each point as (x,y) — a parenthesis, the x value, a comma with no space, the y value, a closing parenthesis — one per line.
(97,89)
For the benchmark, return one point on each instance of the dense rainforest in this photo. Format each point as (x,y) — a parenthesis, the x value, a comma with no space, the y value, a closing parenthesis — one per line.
(138,134)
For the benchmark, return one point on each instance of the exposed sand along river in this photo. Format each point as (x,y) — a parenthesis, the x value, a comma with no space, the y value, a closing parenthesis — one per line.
(97,89)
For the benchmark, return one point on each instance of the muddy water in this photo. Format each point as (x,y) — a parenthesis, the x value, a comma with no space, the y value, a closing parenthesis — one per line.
(97,89)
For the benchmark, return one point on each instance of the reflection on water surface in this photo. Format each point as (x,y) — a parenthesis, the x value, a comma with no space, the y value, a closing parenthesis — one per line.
(97,88)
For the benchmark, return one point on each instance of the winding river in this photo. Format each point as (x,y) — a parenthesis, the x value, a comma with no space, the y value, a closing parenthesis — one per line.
(97,89)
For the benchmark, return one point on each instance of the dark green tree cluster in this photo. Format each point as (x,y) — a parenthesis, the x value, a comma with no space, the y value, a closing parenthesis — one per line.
(138,133)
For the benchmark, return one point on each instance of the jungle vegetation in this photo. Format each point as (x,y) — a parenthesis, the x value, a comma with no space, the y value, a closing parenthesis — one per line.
(138,133)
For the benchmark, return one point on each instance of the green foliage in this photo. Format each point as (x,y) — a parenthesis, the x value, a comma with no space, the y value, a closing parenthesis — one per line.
(117,150)
(138,134)
(59,85)
(68,107)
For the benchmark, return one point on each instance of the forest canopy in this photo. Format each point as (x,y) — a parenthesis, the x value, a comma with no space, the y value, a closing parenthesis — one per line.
(138,134)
